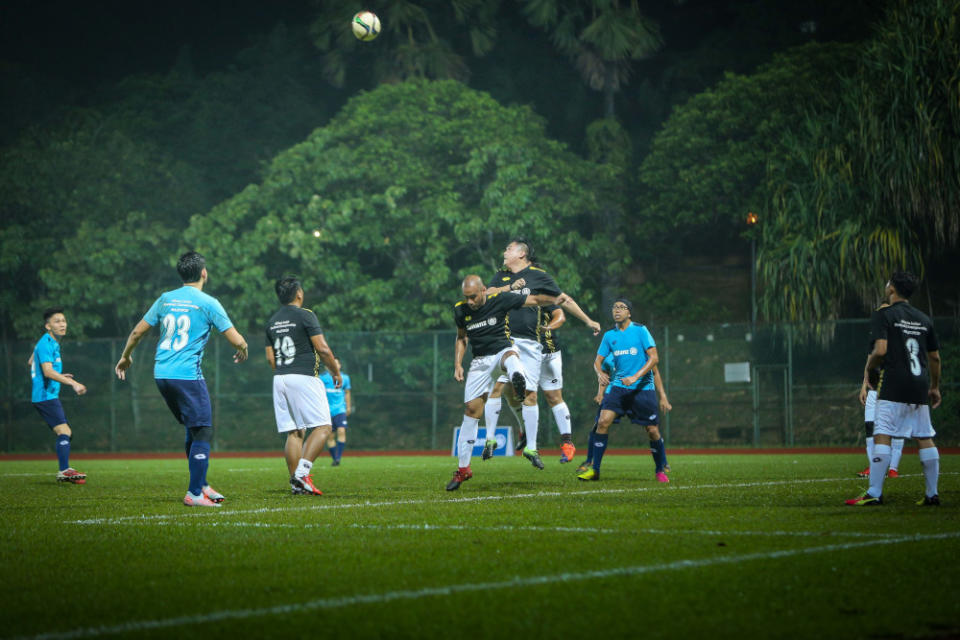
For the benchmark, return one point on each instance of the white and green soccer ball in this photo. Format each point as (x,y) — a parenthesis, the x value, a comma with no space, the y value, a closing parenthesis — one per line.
(365,25)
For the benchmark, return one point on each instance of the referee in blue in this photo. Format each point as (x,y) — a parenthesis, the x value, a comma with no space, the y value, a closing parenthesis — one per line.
(632,390)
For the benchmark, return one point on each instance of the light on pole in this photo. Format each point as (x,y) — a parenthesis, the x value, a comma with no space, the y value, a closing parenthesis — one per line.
(752,220)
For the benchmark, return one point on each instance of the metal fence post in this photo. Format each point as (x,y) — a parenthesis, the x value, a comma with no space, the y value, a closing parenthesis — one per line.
(666,382)
(216,391)
(756,406)
(433,423)
(790,384)
(113,398)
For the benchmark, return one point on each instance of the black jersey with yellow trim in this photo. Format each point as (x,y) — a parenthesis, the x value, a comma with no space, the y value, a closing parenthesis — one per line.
(910,337)
(486,326)
(288,332)
(525,322)
(548,337)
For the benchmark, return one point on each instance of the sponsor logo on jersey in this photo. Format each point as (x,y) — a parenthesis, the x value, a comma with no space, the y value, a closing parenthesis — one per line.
(632,351)
(489,322)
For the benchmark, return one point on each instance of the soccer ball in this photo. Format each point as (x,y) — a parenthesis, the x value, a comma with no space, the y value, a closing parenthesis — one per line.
(365,25)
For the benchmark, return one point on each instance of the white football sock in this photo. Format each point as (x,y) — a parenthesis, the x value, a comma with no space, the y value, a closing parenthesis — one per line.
(512,365)
(303,469)
(468,436)
(491,415)
(896,452)
(531,416)
(930,461)
(869,449)
(878,469)
(562,415)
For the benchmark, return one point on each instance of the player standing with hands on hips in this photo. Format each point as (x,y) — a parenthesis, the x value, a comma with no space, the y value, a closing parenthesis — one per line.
(187,314)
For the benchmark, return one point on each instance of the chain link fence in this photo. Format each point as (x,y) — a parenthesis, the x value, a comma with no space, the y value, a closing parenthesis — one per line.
(730,385)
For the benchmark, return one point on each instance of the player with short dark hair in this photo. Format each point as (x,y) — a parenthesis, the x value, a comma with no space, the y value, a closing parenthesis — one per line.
(295,345)
(481,321)
(46,374)
(632,391)
(906,345)
(186,316)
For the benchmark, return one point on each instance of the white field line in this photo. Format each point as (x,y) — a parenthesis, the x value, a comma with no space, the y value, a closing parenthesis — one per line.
(486,498)
(139,626)
(513,528)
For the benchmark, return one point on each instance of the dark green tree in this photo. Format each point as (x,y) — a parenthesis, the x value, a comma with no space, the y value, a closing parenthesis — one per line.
(384,210)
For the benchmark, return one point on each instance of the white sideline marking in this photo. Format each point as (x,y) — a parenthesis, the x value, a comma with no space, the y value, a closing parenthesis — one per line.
(510,528)
(416,594)
(390,503)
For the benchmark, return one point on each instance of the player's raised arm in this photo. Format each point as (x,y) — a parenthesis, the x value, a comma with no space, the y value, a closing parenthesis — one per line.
(569,304)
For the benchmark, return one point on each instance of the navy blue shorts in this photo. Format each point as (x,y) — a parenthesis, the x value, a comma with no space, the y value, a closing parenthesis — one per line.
(52,412)
(188,400)
(640,406)
(339,420)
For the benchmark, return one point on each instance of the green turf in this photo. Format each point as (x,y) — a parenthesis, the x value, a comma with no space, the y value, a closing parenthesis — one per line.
(735,547)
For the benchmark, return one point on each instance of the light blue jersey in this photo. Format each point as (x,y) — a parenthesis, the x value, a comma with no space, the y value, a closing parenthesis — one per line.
(629,350)
(186,316)
(47,349)
(336,398)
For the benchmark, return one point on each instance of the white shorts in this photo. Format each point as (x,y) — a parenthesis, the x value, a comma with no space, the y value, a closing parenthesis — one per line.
(870,407)
(551,371)
(299,402)
(483,372)
(531,353)
(900,420)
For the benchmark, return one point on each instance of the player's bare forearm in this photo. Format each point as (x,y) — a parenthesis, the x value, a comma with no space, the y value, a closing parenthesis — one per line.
(136,335)
(539,300)
(652,360)
(271,358)
(874,361)
(237,342)
(933,360)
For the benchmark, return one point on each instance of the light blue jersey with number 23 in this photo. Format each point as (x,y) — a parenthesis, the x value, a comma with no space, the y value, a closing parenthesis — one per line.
(185,316)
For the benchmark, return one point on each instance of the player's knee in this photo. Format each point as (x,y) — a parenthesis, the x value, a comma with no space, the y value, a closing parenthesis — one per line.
(653,431)
(63,430)
(201,434)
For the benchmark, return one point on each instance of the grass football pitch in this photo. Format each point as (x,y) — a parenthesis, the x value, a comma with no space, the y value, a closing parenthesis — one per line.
(736,546)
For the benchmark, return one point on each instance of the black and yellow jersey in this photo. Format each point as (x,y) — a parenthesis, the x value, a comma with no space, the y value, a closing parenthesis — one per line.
(548,337)
(486,327)
(525,322)
(910,337)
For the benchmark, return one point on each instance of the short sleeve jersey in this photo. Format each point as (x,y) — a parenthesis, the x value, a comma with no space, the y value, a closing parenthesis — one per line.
(525,322)
(486,327)
(548,337)
(910,337)
(336,398)
(47,349)
(186,316)
(629,349)
(289,331)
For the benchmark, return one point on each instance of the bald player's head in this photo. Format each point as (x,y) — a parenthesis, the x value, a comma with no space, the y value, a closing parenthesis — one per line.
(473,291)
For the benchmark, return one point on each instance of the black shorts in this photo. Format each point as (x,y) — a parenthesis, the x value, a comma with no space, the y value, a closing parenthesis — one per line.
(189,401)
(52,412)
(640,406)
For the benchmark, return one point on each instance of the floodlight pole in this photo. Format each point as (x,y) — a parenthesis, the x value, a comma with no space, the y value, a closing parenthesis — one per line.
(753,283)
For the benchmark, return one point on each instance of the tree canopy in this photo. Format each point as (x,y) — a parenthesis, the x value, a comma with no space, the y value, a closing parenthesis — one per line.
(409,188)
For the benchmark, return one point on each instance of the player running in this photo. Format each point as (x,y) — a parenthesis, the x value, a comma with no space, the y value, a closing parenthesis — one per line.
(906,345)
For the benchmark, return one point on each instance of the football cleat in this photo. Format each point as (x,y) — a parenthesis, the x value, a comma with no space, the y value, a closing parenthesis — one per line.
(929,501)
(586,464)
(864,474)
(306,483)
(203,501)
(213,494)
(865,500)
(892,473)
(666,468)
(334,463)
(295,488)
(71,475)
(461,475)
(662,477)
(519,385)
(488,448)
(589,474)
(534,458)
(567,451)
(521,441)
